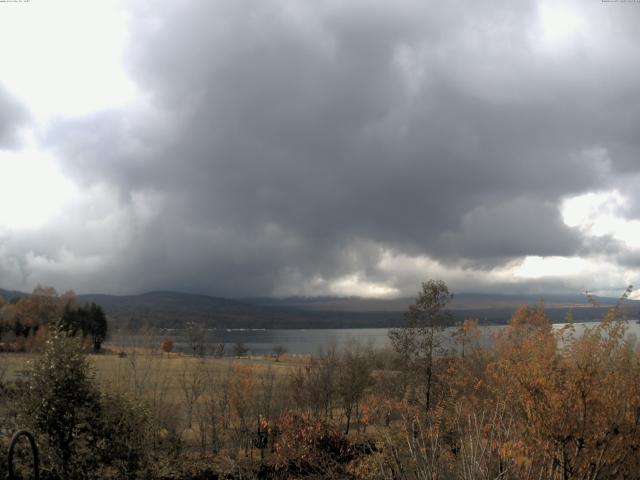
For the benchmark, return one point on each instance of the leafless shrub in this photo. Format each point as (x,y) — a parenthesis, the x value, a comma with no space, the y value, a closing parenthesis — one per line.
(480,435)
(192,385)
(416,453)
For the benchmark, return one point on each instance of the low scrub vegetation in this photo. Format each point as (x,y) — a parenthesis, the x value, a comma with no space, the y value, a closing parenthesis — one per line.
(541,403)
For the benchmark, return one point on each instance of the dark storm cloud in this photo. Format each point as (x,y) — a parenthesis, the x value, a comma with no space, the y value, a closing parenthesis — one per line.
(12,117)
(522,226)
(293,142)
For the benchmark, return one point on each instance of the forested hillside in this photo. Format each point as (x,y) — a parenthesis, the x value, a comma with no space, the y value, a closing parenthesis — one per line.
(175,309)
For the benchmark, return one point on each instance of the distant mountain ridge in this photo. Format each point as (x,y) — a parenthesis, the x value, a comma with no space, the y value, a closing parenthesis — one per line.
(461,301)
(12,294)
(170,309)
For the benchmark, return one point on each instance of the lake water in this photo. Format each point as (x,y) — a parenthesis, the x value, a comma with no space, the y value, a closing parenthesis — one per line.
(300,341)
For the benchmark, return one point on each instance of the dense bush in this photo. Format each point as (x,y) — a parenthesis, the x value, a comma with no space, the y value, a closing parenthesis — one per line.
(123,443)
(81,431)
(63,405)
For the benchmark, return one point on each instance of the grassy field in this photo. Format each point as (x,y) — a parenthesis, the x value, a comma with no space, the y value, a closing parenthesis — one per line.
(142,372)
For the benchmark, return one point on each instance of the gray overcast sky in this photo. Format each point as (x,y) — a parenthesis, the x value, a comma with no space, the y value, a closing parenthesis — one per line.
(279,147)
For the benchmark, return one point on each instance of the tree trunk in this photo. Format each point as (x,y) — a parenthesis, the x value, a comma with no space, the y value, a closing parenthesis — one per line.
(347,414)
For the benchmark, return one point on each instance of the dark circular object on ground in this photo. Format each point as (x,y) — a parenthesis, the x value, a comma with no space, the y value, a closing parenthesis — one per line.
(34,453)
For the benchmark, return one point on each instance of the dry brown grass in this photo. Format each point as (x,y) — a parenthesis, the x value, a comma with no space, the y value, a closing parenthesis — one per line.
(141,370)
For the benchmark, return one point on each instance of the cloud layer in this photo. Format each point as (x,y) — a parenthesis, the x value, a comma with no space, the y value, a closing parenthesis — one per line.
(287,147)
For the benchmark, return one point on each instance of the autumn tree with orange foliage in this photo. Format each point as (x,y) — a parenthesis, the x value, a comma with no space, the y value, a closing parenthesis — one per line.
(575,399)
(307,447)
(28,317)
(544,402)
(167,345)
(467,335)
